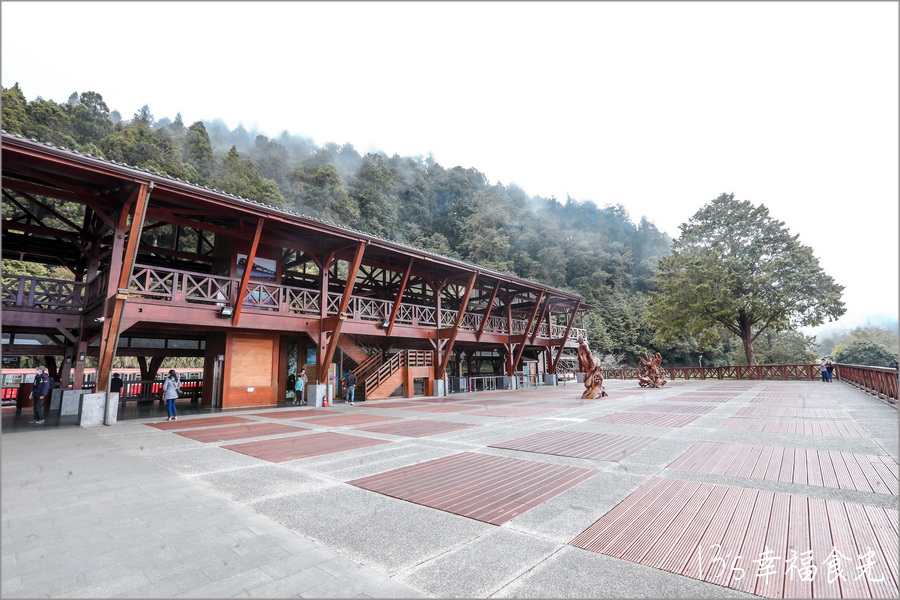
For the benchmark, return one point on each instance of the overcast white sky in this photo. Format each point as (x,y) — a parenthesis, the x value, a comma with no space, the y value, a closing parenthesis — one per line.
(657,106)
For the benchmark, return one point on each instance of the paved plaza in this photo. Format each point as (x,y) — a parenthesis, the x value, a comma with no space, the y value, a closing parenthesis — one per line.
(700,489)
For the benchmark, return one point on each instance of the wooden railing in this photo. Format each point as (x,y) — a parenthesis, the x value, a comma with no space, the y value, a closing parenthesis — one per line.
(169,286)
(41,293)
(398,360)
(151,389)
(770,372)
(879,381)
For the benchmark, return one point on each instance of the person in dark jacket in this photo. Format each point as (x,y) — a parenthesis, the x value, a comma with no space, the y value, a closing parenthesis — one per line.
(350,382)
(39,393)
(115,384)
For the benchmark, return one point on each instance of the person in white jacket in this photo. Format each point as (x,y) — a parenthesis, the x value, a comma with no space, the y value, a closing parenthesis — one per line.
(170,392)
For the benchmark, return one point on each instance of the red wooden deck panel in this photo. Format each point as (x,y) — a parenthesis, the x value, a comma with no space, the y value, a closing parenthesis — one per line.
(237,432)
(491,489)
(302,446)
(693,409)
(843,470)
(346,419)
(593,446)
(295,414)
(796,427)
(804,413)
(382,404)
(724,534)
(199,422)
(416,428)
(647,419)
(443,409)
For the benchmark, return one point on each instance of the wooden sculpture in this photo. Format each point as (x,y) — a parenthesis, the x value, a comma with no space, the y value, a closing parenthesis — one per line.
(649,373)
(593,374)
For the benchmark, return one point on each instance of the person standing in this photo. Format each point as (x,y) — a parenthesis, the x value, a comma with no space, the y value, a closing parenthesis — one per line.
(823,370)
(170,392)
(829,366)
(39,393)
(115,384)
(299,385)
(350,382)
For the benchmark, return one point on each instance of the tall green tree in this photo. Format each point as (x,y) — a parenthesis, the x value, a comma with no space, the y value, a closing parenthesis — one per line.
(865,353)
(735,267)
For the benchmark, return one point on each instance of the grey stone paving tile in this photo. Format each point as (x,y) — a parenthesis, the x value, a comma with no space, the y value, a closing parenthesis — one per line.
(229,587)
(563,517)
(306,558)
(564,576)
(291,585)
(461,573)
(170,586)
(112,588)
(261,481)
(226,564)
(370,528)
(337,588)
(11,587)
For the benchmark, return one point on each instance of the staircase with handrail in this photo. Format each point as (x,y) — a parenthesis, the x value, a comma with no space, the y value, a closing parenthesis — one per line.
(393,371)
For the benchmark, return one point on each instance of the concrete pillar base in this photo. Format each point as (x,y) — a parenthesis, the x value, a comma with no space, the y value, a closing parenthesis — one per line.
(549,379)
(94,410)
(507,383)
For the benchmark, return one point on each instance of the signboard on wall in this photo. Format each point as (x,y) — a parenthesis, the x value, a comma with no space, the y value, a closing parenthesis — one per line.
(11,362)
(310,356)
(263,268)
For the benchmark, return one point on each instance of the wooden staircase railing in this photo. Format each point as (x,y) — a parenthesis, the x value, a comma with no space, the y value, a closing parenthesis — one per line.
(397,361)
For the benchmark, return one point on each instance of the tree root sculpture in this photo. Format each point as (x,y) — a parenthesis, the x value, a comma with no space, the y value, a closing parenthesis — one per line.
(649,372)
(593,373)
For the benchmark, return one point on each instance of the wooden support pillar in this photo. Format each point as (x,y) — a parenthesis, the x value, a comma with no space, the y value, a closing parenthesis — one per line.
(245,278)
(528,327)
(113,322)
(565,337)
(455,331)
(78,361)
(487,313)
(537,323)
(398,299)
(335,324)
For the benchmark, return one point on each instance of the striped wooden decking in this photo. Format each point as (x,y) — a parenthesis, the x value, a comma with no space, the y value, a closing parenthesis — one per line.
(238,432)
(827,468)
(800,413)
(295,414)
(345,419)
(198,422)
(302,446)
(491,489)
(443,409)
(753,541)
(655,420)
(578,444)
(694,409)
(796,427)
(811,401)
(416,428)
